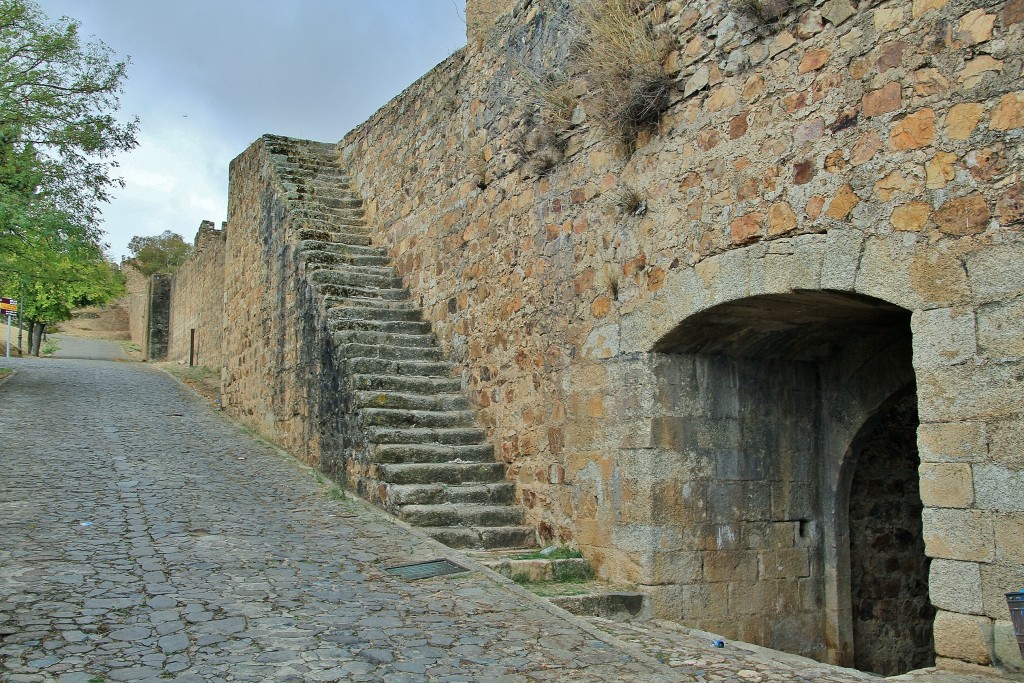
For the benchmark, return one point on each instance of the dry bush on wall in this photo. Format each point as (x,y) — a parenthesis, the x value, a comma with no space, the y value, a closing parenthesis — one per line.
(552,100)
(624,64)
(631,202)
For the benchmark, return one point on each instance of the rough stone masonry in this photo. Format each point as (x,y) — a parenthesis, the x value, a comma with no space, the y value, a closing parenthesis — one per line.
(785,398)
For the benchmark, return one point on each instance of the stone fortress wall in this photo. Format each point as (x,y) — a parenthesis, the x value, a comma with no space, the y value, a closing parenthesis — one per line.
(736,397)
(197,302)
(870,149)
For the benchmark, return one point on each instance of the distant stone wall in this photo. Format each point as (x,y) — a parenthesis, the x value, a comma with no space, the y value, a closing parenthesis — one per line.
(156,334)
(138,307)
(197,302)
(870,149)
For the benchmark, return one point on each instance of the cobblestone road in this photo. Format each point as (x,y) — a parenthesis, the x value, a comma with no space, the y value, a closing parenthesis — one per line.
(144,537)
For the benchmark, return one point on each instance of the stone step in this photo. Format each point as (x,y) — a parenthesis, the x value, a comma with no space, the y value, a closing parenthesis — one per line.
(484,538)
(333,236)
(614,605)
(539,570)
(354,278)
(406,384)
(388,326)
(322,202)
(443,473)
(420,419)
(384,339)
(453,515)
(324,263)
(431,453)
(301,175)
(349,221)
(322,258)
(383,366)
(424,353)
(347,250)
(354,309)
(328,289)
(395,400)
(501,493)
(451,436)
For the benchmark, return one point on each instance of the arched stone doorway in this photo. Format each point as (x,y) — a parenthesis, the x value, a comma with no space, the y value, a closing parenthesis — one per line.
(769,392)
(891,613)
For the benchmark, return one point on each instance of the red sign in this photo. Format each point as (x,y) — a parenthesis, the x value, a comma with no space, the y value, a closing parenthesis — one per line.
(8,306)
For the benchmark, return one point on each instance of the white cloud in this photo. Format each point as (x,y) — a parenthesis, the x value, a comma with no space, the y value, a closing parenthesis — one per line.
(208,78)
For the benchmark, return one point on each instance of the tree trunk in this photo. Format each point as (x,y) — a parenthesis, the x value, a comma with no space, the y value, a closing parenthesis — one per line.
(37,337)
(29,326)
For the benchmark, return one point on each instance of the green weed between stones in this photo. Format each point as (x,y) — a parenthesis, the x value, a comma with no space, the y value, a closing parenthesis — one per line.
(560,553)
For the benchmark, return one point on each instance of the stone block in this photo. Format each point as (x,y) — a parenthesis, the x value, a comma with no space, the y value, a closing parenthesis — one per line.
(961,636)
(967,215)
(1001,329)
(939,278)
(885,273)
(1009,532)
(911,217)
(956,586)
(678,567)
(841,258)
(994,273)
(913,131)
(962,119)
(952,442)
(952,534)
(1009,113)
(783,563)
(997,580)
(1005,648)
(1006,442)
(886,99)
(943,336)
(730,566)
(998,488)
(946,485)
(969,392)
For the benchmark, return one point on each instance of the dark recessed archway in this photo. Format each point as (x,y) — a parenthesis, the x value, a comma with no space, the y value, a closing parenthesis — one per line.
(771,391)
(891,612)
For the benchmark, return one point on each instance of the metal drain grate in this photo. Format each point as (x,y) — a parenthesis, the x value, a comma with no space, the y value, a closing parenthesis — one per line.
(426,570)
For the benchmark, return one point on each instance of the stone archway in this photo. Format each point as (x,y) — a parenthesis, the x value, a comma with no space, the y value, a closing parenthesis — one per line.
(891,613)
(772,390)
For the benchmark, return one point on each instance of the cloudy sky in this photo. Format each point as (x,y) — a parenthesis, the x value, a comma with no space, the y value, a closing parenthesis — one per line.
(208,77)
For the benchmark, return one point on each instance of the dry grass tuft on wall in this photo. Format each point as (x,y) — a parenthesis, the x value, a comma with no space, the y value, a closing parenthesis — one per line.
(624,65)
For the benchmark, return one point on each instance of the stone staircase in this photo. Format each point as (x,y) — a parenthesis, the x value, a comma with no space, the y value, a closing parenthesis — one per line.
(411,442)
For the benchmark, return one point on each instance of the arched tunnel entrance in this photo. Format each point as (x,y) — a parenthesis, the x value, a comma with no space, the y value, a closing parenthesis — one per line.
(798,416)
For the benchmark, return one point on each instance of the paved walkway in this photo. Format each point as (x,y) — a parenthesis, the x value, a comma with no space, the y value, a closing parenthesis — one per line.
(144,537)
(87,349)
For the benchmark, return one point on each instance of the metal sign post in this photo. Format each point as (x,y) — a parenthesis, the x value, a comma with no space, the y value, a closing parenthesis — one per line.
(9,308)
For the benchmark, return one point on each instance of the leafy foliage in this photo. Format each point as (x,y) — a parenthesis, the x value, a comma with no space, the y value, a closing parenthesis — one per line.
(57,102)
(58,133)
(163,253)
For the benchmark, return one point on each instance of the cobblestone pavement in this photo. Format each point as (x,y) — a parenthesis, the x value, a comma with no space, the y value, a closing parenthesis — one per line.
(688,651)
(144,537)
(87,349)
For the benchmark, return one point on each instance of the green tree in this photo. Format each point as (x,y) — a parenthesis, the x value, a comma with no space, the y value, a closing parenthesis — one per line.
(163,253)
(51,277)
(58,97)
(58,134)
